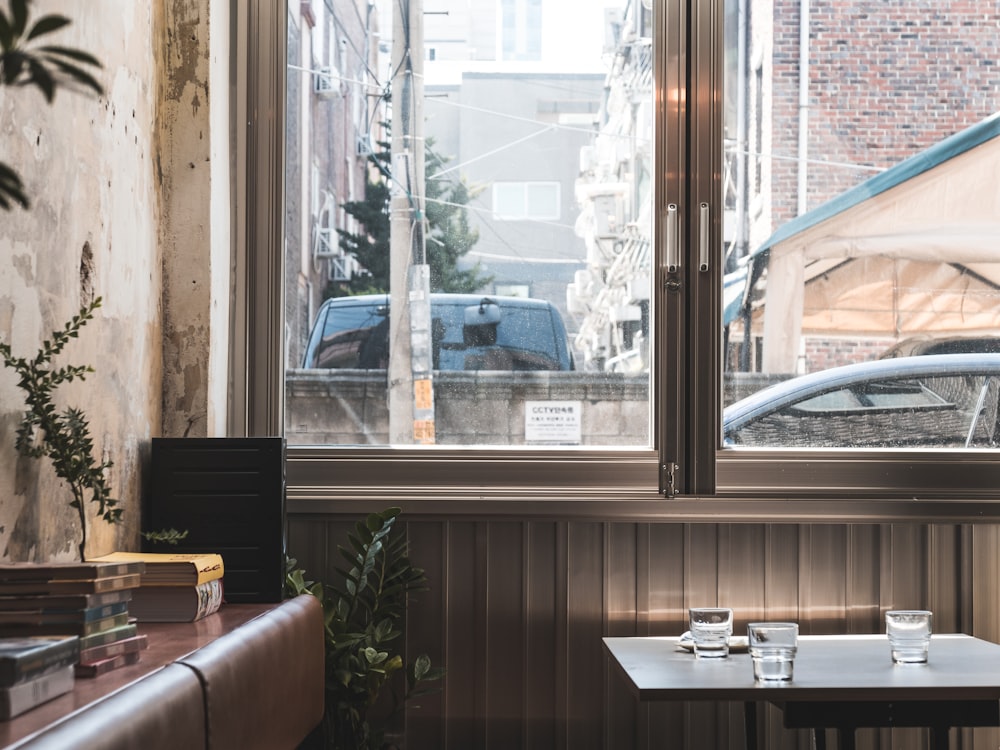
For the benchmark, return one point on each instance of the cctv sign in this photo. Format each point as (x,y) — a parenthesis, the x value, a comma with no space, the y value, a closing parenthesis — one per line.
(552,422)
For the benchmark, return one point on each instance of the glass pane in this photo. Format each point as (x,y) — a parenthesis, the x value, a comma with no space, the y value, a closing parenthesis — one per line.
(862,144)
(492,286)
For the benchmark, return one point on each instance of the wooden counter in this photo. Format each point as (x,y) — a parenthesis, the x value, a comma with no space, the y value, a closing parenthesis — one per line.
(167,642)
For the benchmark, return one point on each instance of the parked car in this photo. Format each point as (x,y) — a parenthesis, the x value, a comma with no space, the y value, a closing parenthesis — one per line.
(943,345)
(928,401)
(469,332)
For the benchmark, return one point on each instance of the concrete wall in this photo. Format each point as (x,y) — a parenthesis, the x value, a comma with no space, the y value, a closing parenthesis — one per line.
(471,408)
(119,185)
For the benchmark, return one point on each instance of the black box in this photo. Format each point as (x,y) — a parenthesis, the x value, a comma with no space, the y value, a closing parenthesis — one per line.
(229,495)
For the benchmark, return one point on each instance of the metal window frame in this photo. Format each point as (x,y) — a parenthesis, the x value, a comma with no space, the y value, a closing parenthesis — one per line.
(703,482)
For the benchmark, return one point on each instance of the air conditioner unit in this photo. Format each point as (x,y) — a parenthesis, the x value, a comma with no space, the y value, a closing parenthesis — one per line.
(340,268)
(326,243)
(325,82)
(363,146)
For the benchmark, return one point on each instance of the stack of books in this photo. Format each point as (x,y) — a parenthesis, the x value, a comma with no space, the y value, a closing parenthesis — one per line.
(89,601)
(175,587)
(35,669)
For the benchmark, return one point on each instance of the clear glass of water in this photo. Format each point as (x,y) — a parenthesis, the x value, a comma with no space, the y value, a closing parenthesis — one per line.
(909,632)
(710,629)
(772,647)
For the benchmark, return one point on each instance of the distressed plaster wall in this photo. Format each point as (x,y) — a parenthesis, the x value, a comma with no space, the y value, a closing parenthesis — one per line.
(194,181)
(109,207)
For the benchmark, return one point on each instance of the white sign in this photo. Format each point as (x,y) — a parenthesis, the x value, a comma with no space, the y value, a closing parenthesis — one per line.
(552,422)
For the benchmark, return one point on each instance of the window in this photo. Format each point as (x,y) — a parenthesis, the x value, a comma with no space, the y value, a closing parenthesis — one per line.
(734,297)
(526,200)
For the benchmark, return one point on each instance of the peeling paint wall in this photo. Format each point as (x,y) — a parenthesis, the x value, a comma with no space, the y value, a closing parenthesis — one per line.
(109,207)
(194,186)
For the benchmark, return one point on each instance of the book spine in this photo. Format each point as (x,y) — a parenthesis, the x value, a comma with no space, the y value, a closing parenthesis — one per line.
(19,698)
(108,636)
(103,666)
(14,669)
(107,650)
(210,596)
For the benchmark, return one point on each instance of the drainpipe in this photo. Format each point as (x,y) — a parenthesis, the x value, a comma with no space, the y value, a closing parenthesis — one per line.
(803,154)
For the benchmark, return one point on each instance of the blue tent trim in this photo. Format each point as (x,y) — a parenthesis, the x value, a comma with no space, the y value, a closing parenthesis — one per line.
(950,147)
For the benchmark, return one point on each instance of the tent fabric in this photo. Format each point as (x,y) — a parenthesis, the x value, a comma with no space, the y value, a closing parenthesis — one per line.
(914,250)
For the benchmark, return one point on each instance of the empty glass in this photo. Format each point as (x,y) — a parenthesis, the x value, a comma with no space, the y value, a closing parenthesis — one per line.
(909,634)
(772,647)
(710,629)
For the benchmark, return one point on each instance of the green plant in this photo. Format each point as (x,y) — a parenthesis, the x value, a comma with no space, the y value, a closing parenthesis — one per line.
(363,620)
(164,536)
(48,67)
(63,437)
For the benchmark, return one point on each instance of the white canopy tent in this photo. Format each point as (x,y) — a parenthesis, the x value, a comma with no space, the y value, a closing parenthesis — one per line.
(912,251)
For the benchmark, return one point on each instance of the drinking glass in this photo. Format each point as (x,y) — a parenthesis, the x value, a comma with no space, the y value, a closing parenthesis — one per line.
(909,632)
(710,629)
(772,647)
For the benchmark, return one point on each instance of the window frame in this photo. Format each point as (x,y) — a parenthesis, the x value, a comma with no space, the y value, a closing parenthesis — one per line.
(685,476)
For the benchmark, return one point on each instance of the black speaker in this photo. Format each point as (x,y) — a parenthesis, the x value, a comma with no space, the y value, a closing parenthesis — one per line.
(229,495)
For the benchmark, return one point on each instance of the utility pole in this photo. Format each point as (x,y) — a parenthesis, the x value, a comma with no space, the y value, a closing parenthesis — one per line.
(411,390)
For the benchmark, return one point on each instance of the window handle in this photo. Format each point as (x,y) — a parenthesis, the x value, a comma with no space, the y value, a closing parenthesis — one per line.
(673,255)
(703,237)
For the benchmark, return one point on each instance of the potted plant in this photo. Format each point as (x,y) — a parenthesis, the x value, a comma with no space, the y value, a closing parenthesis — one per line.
(363,616)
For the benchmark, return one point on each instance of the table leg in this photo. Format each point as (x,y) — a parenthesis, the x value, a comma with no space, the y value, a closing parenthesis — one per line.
(819,738)
(750,724)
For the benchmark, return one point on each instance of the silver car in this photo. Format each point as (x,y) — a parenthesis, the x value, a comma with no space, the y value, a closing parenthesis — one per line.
(931,401)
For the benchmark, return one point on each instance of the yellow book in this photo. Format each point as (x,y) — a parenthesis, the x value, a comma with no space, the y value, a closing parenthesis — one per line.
(172,568)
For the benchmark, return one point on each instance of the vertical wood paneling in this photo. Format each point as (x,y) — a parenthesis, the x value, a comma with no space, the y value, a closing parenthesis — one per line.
(516,610)
(426,631)
(586,670)
(542,604)
(505,635)
(621,613)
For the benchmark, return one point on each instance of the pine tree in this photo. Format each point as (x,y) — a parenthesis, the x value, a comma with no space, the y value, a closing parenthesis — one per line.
(449,235)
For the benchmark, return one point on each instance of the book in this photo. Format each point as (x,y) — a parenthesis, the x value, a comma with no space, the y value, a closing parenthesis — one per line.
(103,666)
(172,568)
(177,603)
(64,601)
(18,698)
(29,656)
(111,635)
(46,615)
(52,587)
(63,628)
(68,571)
(107,650)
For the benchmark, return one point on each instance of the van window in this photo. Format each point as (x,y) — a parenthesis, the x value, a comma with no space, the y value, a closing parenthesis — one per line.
(350,333)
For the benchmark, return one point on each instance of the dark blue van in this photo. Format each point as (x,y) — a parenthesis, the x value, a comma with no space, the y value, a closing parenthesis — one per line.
(469,332)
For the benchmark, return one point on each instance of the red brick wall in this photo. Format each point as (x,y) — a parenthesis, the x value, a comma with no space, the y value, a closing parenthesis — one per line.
(888,78)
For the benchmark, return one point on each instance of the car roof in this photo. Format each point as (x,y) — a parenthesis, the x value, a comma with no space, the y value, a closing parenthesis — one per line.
(795,389)
(454,298)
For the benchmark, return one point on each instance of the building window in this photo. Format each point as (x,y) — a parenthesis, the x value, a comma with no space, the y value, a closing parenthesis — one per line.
(524,201)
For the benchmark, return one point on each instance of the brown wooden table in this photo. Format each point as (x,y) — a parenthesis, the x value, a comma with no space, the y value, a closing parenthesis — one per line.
(841,682)
(167,642)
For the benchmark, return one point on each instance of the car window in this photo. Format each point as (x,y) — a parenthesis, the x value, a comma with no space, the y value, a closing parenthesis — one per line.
(351,334)
(525,340)
(953,411)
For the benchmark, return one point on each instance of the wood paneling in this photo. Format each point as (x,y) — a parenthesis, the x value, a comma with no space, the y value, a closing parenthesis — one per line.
(516,610)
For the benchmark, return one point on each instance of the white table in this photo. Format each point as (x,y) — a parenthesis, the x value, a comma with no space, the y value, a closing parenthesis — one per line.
(842,682)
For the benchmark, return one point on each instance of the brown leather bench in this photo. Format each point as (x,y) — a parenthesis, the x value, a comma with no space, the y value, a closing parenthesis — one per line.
(163,711)
(264,682)
(258,686)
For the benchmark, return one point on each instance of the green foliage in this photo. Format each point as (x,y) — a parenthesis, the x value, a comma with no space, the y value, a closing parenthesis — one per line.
(63,437)
(363,619)
(25,62)
(164,536)
(449,234)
